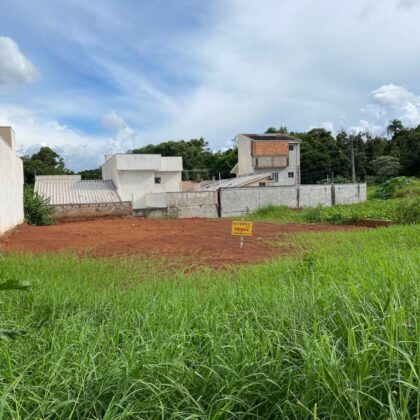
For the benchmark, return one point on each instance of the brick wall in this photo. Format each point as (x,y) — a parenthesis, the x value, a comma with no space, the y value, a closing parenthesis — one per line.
(270,148)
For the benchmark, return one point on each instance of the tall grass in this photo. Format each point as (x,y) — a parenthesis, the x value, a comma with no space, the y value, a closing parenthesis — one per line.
(402,211)
(331,333)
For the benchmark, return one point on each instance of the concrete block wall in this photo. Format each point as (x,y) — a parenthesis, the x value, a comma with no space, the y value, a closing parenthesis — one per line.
(89,211)
(11,187)
(184,205)
(238,201)
(315,195)
(350,193)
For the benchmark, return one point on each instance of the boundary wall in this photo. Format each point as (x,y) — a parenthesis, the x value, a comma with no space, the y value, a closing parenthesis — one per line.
(229,202)
(238,201)
(90,211)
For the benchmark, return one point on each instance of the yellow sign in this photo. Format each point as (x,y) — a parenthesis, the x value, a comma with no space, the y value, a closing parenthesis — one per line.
(240,228)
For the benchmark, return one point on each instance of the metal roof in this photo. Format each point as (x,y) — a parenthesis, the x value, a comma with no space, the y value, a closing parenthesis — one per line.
(72,190)
(272,136)
(240,181)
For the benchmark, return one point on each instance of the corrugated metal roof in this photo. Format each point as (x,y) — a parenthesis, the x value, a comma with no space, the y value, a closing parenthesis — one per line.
(59,177)
(76,191)
(239,181)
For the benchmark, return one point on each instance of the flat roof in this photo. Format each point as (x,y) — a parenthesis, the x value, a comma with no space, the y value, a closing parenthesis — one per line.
(272,136)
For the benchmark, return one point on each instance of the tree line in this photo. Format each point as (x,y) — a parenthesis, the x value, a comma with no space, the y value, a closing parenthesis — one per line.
(324,157)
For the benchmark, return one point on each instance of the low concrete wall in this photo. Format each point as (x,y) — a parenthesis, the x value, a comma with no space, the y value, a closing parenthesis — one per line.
(181,205)
(238,201)
(11,187)
(89,211)
(350,193)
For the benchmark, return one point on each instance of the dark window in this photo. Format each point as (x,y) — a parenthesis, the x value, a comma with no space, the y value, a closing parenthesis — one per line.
(261,184)
(291,174)
(275,176)
(291,147)
(157,180)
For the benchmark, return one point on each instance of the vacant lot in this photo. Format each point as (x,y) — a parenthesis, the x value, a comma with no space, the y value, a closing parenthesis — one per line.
(201,240)
(333,333)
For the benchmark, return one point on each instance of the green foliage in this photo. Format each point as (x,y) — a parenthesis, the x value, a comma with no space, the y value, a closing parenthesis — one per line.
(385,167)
(91,173)
(389,188)
(199,161)
(37,209)
(45,162)
(11,333)
(403,211)
(331,335)
(321,156)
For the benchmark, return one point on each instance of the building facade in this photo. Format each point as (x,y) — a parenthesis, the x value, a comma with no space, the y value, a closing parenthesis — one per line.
(11,182)
(135,176)
(277,154)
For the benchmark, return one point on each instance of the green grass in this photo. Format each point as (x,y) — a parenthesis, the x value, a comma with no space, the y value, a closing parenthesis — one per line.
(401,211)
(331,333)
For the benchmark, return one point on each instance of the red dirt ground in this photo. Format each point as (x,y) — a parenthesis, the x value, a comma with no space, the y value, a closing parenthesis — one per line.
(202,241)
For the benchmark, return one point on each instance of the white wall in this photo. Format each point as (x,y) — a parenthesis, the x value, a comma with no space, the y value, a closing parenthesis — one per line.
(135,185)
(134,176)
(244,156)
(11,188)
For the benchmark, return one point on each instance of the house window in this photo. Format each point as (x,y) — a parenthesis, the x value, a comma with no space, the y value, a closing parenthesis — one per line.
(157,180)
(291,174)
(291,147)
(261,184)
(275,176)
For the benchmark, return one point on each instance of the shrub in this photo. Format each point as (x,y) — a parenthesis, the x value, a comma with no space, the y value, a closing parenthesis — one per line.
(387,189)
(408,211)
(37,209)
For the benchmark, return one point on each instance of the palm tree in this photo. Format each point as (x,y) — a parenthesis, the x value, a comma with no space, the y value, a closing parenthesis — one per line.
(394,127)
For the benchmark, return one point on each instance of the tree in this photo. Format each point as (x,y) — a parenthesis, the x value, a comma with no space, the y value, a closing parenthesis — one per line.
(198,160)
(44,162)
(91,173)
(394,127)
(321,156)
(280,130)
(385,167)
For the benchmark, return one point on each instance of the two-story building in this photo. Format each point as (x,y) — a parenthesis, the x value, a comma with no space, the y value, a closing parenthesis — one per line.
(136,176)
(277,154)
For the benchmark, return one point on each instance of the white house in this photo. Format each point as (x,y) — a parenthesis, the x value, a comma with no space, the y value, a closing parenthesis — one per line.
(278,154)
(11,181)
(136,176)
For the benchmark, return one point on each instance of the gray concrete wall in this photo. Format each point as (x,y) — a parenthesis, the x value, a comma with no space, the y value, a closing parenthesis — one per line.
(183,205)
(238,201)
(11,184)
(89,211)
(350,193)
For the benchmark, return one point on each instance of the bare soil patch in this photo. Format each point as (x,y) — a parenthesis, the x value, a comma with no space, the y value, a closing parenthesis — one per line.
(200,241)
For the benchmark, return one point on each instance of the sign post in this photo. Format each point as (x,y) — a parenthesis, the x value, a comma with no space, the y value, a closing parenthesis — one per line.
(241,229)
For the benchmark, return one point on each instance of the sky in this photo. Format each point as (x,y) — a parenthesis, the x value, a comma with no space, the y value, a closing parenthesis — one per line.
(97,77)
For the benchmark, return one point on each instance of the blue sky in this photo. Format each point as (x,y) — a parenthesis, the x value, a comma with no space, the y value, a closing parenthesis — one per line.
(104,76)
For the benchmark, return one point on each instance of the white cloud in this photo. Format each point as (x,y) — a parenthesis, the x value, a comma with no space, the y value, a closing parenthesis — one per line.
(15,68)
(393,101)
(365,126)
(80,150)
(113,121)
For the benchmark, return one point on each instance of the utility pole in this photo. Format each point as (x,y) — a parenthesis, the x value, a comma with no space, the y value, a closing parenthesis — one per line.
(353,166)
